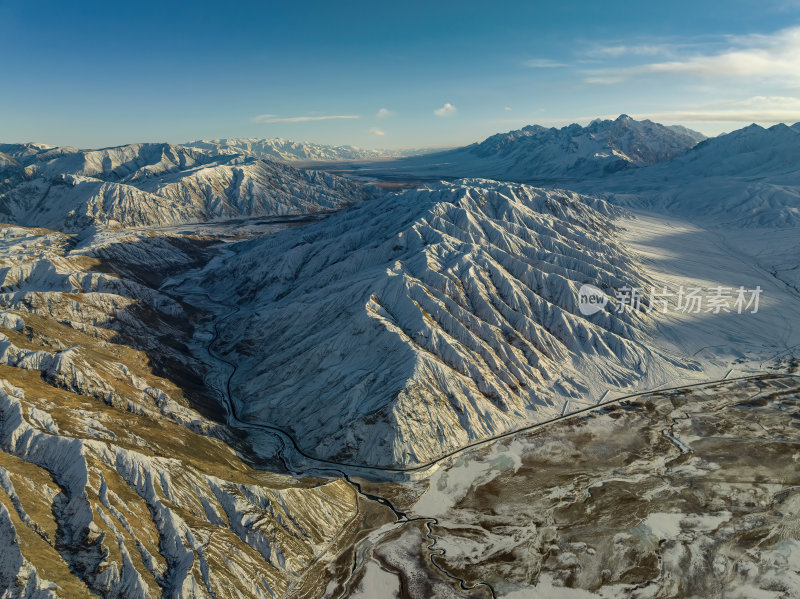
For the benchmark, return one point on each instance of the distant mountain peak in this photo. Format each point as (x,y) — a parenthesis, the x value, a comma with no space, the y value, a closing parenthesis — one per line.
(149,184)
(748,177)
(287,150)
(535,153)
(574,151)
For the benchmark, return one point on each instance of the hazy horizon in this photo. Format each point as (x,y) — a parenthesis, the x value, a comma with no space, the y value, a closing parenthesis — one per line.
(582,121)
(375,76)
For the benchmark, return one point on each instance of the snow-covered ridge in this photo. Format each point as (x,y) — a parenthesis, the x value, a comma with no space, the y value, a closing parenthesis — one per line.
(111,483)
(752,150)
(92,504)
(294,151)
(155,184)
(405,327)
(122,163)
(536,153)
(612,144)
(747,178)
(50,294)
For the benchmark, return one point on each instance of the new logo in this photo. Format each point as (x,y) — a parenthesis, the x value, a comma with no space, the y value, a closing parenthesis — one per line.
(591,299)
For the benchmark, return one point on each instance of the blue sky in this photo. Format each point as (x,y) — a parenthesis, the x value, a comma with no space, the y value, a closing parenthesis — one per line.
(388,74)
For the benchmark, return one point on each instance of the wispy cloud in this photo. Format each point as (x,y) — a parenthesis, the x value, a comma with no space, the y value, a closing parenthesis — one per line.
(383,113)
(759,57)
(784,102)
(378,132)
(756,109)
(724,116)
(543,63)
(507,108)
(764,109)
(618,50)
(738,112)
(445,110)
(271,118)
(605,78)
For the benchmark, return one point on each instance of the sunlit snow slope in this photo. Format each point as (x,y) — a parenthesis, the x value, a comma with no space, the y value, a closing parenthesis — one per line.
(405,327)
(155,184)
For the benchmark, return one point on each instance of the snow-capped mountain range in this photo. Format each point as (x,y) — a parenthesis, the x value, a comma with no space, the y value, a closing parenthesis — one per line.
(536,153)
(430,272)
(146,366)
(287,150)
(155,184)
(750,178)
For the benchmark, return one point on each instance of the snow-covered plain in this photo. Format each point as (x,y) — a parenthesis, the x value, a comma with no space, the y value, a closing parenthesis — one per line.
(676,252)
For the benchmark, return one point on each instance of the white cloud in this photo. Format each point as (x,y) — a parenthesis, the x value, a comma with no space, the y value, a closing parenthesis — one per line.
(780,102)
(271,118)
(756,109)
(617,50)
(764,109)
(507,108)
(378,132)
(445,110)
(724,116)
(604,79)
(542,63)
(737,112)
(755,57)
(383,113)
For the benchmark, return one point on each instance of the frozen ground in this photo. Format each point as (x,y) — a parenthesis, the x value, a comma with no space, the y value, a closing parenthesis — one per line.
(690,493)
